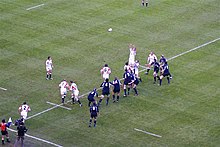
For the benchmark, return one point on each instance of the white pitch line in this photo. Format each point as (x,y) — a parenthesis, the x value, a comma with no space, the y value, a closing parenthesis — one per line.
(147,133)
(3,88)
(39,139)
(35,7)
(121,79)
(58,106)
(193,49)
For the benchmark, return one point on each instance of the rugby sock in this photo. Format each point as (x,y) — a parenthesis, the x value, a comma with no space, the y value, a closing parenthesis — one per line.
(113,97)
(90,122)
(3,142)
(94,123)
(73,101)
(140,79)
(158,78)
(128,90)
(135,90)
(148,70)
(168,79)
(160,82)
(8,139)
(142,4)
(62,100)
(50,75)
(117,97)
(154,79)
(107,101)
(146,4)
(125,92)
(100,101)
(89,103)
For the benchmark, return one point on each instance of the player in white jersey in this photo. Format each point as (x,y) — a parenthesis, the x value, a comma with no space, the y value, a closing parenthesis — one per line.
(132,55)
(105,72)
(150,60)
(136,70)
(23,110)
(49,67)
(63,89)
(75,93)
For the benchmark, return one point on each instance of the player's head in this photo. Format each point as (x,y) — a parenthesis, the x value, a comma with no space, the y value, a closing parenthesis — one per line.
(106,65)
(64,79)
(137,61)
(71,81)
(106,80)
(94,89)
(48,57)
(162,55)
(155,60)
(3,121)
(151,53)
(94,103)
(126,63)
(24,103)
(21,123)
(116,78)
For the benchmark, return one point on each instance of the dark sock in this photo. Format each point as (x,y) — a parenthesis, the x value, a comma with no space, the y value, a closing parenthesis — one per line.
(160,82)
(125,93)
(47,76)
(146,4)
(135,90)
(107,100)
(140,80)
(113,97)
(168,79)
(3,142)
(117,97)
(62,100)
(79,102)
(90,122)
(94,123)
(50,75)
(142,4)
(148,70)
(8,140)
(128,90)
(89,103)
(100,101)
(154,79)
(73,101)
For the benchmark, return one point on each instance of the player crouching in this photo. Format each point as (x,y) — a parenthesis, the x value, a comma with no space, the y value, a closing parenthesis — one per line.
(75,93)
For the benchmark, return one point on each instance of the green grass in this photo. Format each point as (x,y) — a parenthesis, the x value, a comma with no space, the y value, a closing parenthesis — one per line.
(74,33)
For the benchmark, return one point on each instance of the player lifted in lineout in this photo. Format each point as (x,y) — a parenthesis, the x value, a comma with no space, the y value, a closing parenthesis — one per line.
(49,68)
(23,110)
(105,72)
(132,55)
(75,93)
(63,89)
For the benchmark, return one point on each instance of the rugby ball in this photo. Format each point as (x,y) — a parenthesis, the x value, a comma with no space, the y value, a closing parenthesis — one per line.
(110,29)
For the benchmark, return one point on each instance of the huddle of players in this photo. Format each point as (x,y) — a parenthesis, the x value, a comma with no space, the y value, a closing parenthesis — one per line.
(161,66)
(21,129)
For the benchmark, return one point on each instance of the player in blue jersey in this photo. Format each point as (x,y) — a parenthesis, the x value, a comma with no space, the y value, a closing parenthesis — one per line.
(156,66)
(134,83)
(162,59)
(91,96)
(127,82)
(165,73)
(117,84)
(94,111)
(105,91)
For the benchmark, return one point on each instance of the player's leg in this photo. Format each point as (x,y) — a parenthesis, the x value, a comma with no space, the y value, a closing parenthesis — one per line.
(7,137)
(3,138)
(95,121)
(161,77)
(135,89)
(107,99)
(90,121)
(142,2)
(146,3)
(47,76)
(101,97)
(50,74)
(118,96)
(113,96)
(77,99)
(148,68)
(129,87)
(125,91)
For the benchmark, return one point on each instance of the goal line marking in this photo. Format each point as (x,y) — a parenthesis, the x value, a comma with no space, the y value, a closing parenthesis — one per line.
(39,139)
(120,79)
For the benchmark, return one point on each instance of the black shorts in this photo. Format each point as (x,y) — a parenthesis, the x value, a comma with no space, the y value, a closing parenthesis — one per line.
(116,90)
(166,74)
(4,132)
(127,82)
(136,82)
(105,93)
(91,99)
(93,115)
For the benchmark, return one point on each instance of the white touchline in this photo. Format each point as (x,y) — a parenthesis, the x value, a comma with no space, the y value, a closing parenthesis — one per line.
(148,133)
(121,79)
(58,106)
(35,7)
(39,139)
(3,88)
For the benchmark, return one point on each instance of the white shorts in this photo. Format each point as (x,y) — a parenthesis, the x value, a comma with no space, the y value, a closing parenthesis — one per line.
(63,91)
(24,115)
(48,69)
(105,76)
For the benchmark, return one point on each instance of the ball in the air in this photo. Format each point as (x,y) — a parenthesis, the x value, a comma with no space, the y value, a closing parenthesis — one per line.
(110,29)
